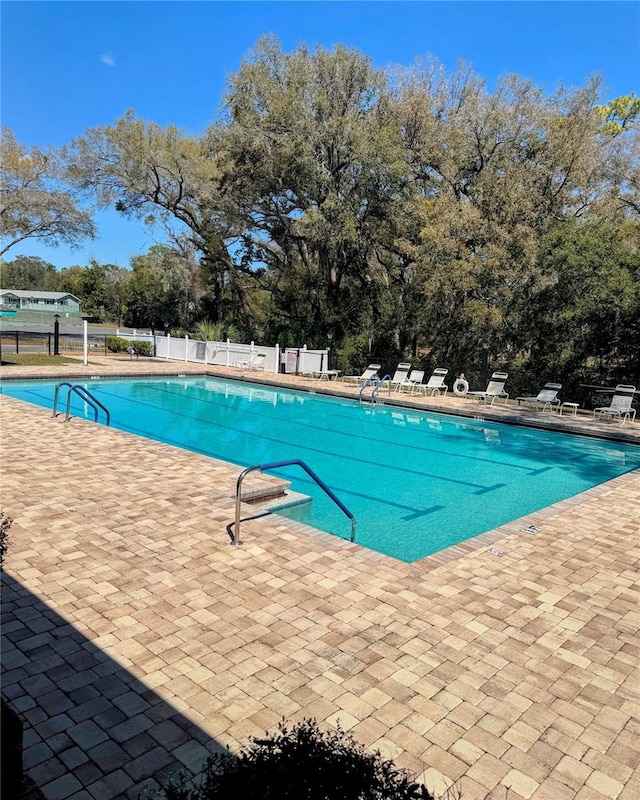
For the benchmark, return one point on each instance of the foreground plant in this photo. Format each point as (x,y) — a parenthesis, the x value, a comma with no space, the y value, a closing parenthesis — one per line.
(5,524)
(302,763)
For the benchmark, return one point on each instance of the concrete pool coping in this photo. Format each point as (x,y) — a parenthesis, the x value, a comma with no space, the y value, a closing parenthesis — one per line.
(510,668)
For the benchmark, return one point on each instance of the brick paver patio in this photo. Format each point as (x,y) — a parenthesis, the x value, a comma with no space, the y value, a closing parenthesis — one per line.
(136,640)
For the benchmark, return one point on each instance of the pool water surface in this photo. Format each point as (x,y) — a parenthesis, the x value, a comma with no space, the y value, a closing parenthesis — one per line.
(416,481)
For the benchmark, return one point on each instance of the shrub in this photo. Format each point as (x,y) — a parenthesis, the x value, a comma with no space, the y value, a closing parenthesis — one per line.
(5,524)
(142,348)
(302,763)
(207,331)
(115,344)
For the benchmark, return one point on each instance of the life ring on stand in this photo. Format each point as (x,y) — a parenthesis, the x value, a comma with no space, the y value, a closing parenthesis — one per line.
(461,385)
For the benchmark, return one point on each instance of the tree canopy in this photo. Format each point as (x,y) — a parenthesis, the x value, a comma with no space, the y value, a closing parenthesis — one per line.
(35,200)
(409,212)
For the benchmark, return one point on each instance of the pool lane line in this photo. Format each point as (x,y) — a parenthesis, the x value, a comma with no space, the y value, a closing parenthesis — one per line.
(385,441)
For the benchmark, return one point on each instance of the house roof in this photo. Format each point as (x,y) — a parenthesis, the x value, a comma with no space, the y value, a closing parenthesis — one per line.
(22,293)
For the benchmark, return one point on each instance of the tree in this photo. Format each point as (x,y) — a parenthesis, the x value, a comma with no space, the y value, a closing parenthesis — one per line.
(162,291)
(585,322)
(100,288)
(314,161)
(494,173)
(29,272)
(159,175)
(36,202)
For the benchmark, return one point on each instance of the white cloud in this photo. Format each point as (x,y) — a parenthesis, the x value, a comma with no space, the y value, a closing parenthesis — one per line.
(108,59)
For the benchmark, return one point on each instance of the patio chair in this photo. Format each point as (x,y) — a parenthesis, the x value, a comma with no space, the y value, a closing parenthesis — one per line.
(495,390)
(370,372)
(414,379)
(257,362)
(399,376)
(547,397)
(435,384)
(620,404)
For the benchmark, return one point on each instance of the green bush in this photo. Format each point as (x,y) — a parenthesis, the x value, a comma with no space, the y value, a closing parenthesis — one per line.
(5,524)
(143,348)
(115,344)
(302,763)
(207,331)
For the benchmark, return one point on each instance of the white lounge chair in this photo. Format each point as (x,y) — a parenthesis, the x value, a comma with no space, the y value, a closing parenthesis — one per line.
(435,384)
(257,362)
(370,372)
(399,377)
(547,397)
(620,404)
(495,390)
(414,379)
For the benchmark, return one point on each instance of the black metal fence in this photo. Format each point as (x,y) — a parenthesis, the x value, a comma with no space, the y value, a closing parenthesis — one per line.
(21,341)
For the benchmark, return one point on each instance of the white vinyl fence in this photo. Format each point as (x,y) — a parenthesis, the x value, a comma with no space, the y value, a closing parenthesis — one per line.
(234,354)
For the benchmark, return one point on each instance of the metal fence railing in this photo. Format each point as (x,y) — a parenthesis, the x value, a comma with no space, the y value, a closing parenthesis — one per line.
(23,341)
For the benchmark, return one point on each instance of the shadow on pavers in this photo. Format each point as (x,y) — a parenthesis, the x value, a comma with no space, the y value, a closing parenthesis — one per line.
(88,723)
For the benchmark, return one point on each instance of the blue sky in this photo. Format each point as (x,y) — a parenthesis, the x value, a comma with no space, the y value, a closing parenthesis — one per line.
(68,66)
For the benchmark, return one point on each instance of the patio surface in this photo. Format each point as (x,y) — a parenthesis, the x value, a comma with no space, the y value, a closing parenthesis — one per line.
(136,640)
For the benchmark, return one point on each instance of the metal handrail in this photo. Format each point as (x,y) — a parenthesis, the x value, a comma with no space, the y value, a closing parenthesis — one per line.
(379,384)
(235,536)
(84,394)
(55,396)
(367,383)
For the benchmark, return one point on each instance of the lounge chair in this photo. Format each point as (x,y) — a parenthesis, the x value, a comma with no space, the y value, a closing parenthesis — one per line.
(414,379)
(495,389)
(547,397)
(435,384)
(257,362)
(620,404)
(399,377)
(370,372)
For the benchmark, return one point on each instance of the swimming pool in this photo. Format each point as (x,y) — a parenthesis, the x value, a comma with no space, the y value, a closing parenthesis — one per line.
(417,482)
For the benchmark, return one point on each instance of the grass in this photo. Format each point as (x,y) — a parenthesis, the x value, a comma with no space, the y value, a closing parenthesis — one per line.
(34,360)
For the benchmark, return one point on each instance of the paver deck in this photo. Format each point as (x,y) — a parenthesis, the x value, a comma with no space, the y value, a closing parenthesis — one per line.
(136,640)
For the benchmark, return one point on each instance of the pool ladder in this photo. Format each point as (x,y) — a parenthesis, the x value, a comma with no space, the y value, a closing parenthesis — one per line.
(84,394)
(235,536)
(376,388)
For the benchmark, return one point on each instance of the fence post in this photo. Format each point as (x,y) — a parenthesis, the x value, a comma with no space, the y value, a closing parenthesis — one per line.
(277,367)
(17,343)
(228,343)
(186,346)
(168,345)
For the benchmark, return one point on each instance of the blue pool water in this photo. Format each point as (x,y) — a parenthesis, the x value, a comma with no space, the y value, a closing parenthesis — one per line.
(416,482)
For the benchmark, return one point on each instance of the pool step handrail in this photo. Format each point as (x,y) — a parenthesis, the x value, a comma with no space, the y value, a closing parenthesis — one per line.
(55,395)
(85,395)
(235,536)
(370,382)
(379,385)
